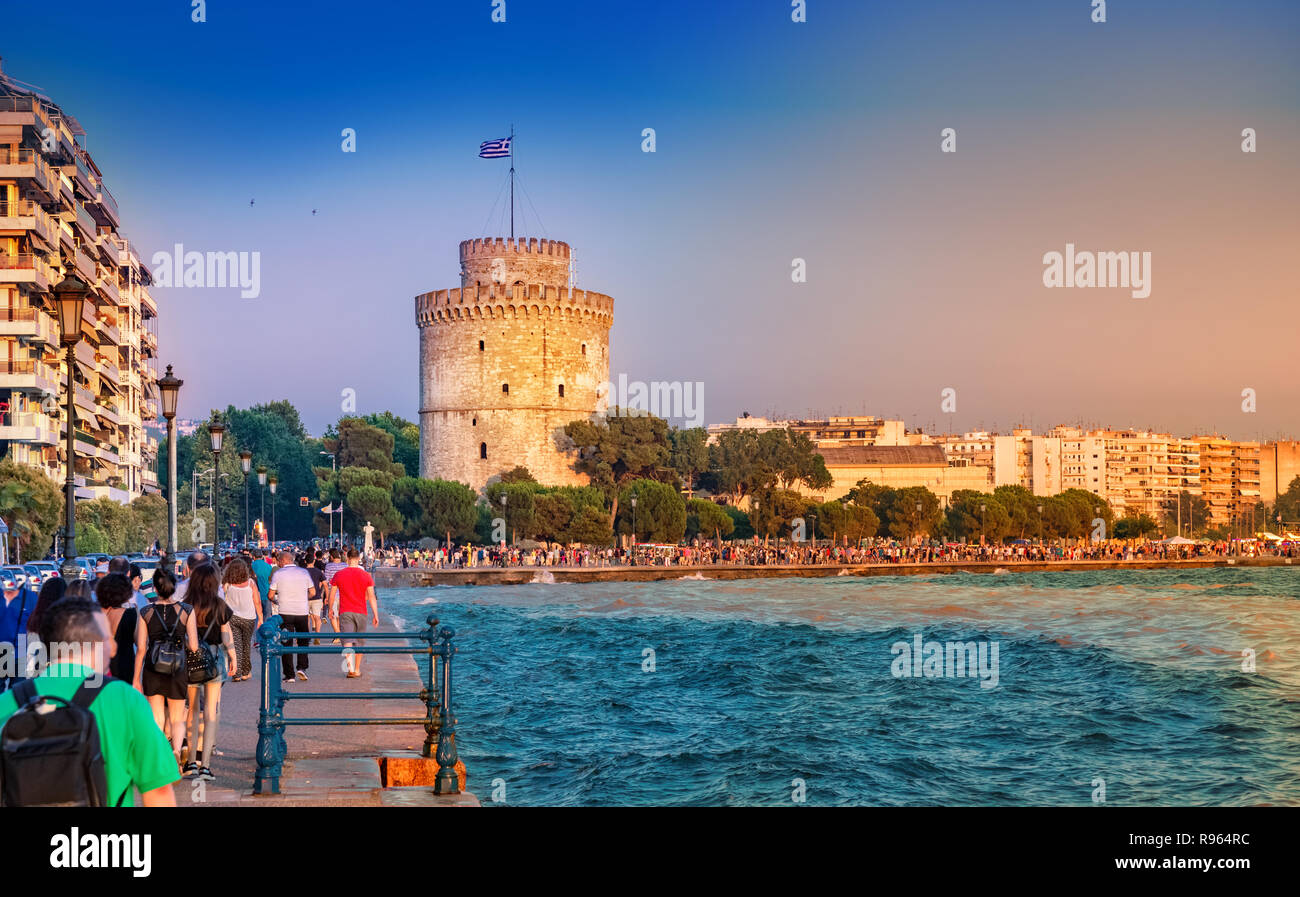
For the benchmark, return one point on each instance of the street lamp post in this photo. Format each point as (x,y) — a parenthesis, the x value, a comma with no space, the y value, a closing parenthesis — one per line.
(216,433)
(272,481)
(633,529)
(169,386)
(261,481)
(334,469)
(70,298)
(246,464)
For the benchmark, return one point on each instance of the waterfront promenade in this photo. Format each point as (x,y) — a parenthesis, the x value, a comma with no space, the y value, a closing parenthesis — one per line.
(400,577)
(327,765)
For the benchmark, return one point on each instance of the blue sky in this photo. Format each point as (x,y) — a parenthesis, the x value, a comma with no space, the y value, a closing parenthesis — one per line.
(775,141)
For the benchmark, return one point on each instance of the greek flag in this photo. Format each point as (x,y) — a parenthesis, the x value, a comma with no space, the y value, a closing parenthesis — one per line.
(494,149)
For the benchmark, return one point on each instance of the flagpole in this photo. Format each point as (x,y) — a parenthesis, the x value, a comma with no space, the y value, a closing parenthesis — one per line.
(512,180)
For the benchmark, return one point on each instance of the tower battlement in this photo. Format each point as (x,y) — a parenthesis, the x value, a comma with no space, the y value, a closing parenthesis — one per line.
(505,260)
(490,300)
(493,247)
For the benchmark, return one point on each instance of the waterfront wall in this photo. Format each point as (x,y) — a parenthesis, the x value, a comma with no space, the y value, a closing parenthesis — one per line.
(396,577)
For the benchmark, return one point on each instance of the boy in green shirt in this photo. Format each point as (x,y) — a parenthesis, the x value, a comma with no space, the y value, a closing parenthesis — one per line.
(136,753)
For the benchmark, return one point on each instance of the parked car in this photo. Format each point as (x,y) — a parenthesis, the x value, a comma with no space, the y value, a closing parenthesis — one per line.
(42,571)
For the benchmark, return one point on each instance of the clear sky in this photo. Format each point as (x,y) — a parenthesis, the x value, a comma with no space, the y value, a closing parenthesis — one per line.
(775,141)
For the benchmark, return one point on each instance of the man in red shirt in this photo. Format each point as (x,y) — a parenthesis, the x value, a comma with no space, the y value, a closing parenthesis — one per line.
(351,590)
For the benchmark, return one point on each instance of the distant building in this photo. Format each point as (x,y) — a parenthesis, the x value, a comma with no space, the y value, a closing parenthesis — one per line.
(898,467)
(1279,464)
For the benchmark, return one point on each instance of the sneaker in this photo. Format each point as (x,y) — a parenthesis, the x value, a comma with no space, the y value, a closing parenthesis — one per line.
(190,769)
(286,680)
(205,773)
(302,674)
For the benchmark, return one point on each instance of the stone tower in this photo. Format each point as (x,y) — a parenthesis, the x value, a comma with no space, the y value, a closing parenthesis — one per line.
(506,361)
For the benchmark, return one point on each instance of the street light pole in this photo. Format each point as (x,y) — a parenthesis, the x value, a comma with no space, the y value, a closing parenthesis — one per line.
(169,386)
(70,299)
(261,479)
(245,462)
(272,480)
(334,469)
(216,432)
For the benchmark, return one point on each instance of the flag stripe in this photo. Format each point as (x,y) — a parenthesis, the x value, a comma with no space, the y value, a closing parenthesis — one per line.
(494,149)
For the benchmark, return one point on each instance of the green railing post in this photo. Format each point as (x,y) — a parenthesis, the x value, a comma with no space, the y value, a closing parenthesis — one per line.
(447,781)
(433,718)
(270,716)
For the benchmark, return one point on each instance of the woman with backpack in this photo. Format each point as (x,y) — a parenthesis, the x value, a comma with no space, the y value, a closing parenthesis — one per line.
(207,670)
(160,643)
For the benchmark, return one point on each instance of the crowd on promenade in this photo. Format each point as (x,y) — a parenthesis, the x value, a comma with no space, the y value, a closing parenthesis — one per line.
(150,668)
(758,554)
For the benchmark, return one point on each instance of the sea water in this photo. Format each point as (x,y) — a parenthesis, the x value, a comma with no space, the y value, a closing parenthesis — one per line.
(1120,687)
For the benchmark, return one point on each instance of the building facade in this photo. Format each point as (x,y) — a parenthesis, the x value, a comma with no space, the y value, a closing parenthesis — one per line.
(506,360)
(57,217)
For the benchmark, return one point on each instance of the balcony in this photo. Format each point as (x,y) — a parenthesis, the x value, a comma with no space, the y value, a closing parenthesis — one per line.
(85,265)
(25,163)
(85,223)
(29,374)
(26,267)
(29,426)
(27,215)
(28,323)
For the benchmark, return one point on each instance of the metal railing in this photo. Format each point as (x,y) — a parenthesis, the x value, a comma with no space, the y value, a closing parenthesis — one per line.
(438,721)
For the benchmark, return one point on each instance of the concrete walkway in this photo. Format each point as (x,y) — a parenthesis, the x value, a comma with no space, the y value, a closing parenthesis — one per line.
(327,765)
(412,577)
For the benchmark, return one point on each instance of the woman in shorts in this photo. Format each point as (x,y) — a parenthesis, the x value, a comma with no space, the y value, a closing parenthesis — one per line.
(166,621)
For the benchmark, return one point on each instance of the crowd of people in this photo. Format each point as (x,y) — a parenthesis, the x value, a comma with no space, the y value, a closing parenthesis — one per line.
(150,668)
(703,554)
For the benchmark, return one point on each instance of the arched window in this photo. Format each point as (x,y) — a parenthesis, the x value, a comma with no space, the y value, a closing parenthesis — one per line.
(482,450)
(561,390)
(584,348)
(505,387)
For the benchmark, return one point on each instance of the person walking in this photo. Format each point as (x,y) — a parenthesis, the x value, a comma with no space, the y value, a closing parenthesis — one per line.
(245,603)
(115,594)
(290,594)
(212,621)
(262,569)
(351,591)
(134,751)
(168,623)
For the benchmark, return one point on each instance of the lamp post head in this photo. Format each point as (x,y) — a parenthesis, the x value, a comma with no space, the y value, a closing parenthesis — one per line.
(246,461)
(261,476)
(169,385)
(216,432)
(272,481)
(70,299)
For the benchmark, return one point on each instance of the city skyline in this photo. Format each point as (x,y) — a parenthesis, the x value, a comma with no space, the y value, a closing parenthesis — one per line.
(924,269)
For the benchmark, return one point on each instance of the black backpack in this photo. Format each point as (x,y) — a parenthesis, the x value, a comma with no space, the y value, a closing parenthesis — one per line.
(50,756)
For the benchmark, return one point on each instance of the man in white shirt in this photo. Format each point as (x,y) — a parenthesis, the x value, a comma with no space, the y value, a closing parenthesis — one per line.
(291,591)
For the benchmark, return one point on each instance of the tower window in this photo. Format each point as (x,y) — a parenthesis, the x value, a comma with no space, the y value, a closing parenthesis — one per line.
(584,348)
(473,422)
(561,390)
(480,345)
(482,450)
(505,387)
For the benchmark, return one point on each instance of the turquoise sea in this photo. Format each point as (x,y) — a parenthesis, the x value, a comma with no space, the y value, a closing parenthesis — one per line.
(761,692)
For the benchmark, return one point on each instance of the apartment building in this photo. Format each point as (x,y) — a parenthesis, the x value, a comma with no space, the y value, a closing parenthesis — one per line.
(1083,460)
(1230,480)
(1023,459)
(57,217)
